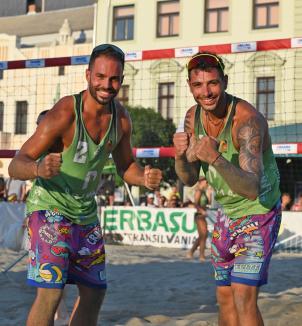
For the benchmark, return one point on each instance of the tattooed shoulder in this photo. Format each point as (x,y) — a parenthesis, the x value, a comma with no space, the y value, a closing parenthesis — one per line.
(189,119)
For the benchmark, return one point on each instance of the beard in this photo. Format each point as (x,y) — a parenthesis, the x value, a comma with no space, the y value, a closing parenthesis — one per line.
(100,100)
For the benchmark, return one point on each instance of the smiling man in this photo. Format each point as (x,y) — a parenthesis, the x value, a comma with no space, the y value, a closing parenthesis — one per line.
(65,156)
(227,140)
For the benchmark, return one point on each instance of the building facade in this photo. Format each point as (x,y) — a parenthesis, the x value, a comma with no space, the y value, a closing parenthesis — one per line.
(34,36)
(168,31)
(260,41)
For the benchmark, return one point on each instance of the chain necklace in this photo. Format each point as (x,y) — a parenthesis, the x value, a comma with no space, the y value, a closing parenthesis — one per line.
(218,126)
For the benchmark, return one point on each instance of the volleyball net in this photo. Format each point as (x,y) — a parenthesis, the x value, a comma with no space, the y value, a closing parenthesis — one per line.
(268,74)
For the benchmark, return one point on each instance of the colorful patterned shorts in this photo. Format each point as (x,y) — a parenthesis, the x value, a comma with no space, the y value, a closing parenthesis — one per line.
(242,248)
(62,252)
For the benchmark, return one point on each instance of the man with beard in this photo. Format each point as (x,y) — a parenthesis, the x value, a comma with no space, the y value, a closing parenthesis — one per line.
(65,156)
(227,140)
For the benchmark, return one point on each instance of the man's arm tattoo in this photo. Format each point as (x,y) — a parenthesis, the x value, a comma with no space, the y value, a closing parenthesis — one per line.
(250,138)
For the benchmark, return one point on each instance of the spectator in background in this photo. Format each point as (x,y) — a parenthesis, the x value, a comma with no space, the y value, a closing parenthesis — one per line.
(173,191)
(298,204)
(150,200)
(202,198)
(174,202)
(157,196)
(162,201)
(2,189)
(127,201)
(15,190)
(286,201)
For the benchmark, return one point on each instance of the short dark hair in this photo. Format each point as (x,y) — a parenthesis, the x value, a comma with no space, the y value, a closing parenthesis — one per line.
(109,50)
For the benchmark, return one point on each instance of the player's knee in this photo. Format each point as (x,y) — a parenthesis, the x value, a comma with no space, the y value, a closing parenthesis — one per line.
(92,296)
(245,297)
(49,297)
(224,296)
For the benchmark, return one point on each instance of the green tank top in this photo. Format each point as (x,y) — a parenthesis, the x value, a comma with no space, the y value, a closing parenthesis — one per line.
(234,205)
(72,192)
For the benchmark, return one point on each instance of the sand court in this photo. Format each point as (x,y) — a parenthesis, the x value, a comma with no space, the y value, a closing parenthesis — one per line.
(158,286)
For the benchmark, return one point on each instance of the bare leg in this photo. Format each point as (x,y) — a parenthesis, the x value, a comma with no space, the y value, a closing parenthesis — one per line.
(61,315)
(245,298)
(44,307)
(227,309)
(87,306)
(200,242)
(203,233)
(192,250)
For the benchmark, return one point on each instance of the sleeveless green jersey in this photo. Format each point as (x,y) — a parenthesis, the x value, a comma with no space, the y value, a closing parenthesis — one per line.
(72,192)
(234,205)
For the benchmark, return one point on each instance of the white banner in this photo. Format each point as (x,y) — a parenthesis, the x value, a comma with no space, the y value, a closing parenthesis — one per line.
(11,220)
(167,227)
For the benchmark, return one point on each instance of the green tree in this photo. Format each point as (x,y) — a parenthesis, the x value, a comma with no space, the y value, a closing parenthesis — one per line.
(150,129)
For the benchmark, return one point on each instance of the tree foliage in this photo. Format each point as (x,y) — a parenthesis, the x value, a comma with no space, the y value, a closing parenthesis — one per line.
(150,129)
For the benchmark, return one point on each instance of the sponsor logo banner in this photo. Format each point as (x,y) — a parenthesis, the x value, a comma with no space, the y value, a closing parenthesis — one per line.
(185,52)
(35,63)
(296,42)
(167,227)
(244,47)
(80,60)
(285,148)
(133,55)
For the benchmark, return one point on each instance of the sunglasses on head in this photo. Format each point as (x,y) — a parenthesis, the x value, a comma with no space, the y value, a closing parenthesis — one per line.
(105,47)
(204,59)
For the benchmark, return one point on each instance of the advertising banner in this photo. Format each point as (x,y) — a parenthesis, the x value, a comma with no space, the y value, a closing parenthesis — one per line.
(159,227)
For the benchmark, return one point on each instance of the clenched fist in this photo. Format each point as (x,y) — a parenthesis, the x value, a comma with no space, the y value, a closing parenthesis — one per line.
(204,149)
(152,177)
(191,152)
(181,143)
(49,166)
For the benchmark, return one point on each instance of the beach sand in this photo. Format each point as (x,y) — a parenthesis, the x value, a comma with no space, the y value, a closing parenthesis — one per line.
(158,286)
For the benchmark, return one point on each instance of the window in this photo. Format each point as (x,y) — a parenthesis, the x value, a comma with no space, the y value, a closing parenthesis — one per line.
(33,6)
(1,115)
(216,16)
(166,99)
(266,97)
(123,95)
(1,74)
(167,18)
(21,118)
(61,71)
(266,13)
(123,23)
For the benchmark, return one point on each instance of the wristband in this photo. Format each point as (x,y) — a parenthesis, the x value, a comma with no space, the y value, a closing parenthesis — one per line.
(37,169)
(217,157)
